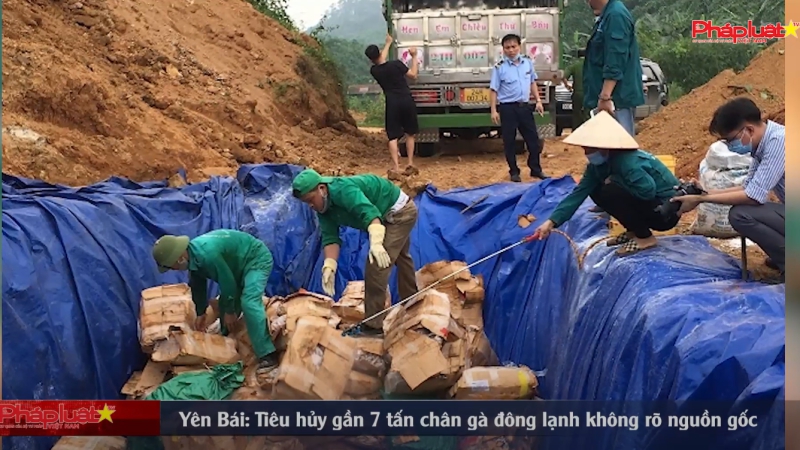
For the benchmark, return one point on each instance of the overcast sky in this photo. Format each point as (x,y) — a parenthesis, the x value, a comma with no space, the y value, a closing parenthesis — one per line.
(306,13)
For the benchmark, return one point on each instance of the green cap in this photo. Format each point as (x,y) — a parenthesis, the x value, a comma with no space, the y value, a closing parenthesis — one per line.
(306,181)
(168,249)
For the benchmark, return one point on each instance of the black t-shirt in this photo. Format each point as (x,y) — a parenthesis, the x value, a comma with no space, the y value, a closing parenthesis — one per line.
(391,75)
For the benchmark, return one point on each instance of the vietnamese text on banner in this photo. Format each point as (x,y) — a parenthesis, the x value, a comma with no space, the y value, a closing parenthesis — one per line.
(661,421)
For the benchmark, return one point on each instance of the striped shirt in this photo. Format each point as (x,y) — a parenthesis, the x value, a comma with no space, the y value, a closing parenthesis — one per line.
(768,168)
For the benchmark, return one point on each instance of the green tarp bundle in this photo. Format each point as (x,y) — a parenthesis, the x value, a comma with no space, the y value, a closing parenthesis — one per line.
(215,384)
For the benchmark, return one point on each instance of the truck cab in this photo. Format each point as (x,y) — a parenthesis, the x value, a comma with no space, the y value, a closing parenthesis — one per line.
(458,44)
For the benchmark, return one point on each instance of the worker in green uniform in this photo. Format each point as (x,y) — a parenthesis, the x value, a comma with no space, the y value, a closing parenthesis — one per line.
(241,265)
(612,71)
(575,70)
(628,183)
(369,203)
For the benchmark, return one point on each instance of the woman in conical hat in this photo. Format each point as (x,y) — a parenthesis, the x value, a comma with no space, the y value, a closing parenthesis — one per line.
(628,183)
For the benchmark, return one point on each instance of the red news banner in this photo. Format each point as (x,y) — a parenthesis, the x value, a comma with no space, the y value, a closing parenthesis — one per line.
(80,418)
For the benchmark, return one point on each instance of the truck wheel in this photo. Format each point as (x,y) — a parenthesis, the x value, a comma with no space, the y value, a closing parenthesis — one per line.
(426,149)
(423,150)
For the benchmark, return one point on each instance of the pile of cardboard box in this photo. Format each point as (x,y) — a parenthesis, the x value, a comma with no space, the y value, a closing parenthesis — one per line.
(437,346)
(166,323)
(434,346)
(318,362)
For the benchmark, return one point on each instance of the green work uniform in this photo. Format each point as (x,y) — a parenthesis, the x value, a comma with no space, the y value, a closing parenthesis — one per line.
(355,202)
(641,174)
(612,53)
(241,265)
(575,70)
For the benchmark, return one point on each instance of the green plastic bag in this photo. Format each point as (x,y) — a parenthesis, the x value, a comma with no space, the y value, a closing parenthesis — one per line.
(215,384)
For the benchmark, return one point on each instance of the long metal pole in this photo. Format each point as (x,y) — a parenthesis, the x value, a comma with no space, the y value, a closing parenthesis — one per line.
(357,326)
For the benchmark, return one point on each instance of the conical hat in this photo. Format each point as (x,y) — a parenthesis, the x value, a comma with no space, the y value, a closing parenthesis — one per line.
(602,131)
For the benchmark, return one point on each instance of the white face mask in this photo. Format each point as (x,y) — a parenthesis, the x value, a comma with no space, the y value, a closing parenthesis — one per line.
(325,202)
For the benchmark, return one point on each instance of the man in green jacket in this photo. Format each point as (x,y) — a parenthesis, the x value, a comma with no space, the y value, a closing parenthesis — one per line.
(612,72)
(575,70)
(369,203)
(628,183)
(241,265)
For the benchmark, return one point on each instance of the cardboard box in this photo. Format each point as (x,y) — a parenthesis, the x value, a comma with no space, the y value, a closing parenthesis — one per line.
(435,272)
(91,443)
(479,350)
(365,381)
(303,304)
(317,362)
(426,346)
(472,315)
(163,308)
(463,289)
(350,307)
(496,383)
(141,384)
(472,289)
(195,348)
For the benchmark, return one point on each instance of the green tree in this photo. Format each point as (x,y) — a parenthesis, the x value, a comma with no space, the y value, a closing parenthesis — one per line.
(348,55)
(355,20)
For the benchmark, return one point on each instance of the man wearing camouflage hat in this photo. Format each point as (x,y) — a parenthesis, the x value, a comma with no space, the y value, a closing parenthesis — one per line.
(240,264)
(372,204)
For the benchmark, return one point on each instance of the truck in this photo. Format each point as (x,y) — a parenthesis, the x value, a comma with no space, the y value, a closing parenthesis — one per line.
(459,42)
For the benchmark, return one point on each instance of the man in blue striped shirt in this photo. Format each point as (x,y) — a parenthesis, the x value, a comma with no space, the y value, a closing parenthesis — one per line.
(753,216)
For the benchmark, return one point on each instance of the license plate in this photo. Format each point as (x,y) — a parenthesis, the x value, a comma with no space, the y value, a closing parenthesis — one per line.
(567,106)
(479,95)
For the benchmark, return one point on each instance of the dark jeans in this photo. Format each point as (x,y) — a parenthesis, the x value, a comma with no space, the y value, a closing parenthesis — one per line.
(765,225)
(636,215)
(519,116)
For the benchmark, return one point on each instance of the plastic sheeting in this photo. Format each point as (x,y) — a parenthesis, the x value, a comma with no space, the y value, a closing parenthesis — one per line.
(75,261)
(669,323)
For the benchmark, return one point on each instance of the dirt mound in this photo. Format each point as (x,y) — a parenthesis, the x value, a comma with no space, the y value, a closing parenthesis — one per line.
(681,129)
(140,89)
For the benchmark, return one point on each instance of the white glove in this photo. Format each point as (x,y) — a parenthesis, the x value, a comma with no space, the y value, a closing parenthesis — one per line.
(377,253)
(329,276)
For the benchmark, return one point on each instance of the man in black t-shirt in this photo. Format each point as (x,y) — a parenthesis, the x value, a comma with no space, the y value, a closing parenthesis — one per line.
(401,111)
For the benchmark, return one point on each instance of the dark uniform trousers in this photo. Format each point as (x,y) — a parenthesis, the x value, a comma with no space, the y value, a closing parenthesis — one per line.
(519,116)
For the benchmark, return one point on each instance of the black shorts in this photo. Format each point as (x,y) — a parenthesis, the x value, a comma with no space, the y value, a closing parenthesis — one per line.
(401,118)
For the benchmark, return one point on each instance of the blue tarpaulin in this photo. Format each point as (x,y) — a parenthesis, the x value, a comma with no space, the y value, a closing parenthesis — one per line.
(671,323)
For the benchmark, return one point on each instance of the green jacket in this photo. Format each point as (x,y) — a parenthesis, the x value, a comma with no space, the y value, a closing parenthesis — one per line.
(612,53)
(575,70)
(639,172)
(225,256)
(355,202)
